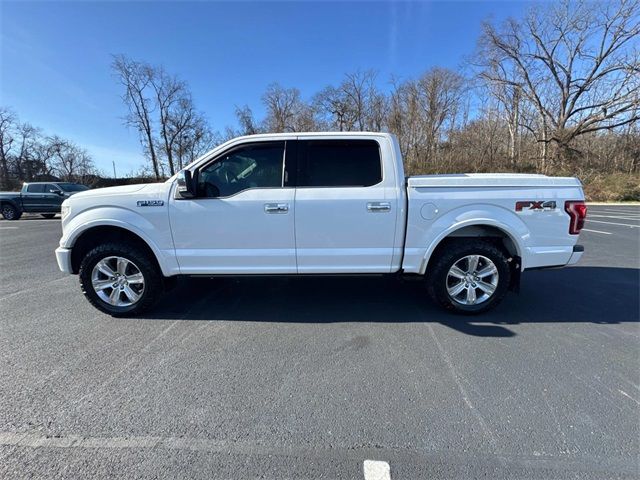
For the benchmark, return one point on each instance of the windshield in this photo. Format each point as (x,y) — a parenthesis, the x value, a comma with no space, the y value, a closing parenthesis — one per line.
(73,187)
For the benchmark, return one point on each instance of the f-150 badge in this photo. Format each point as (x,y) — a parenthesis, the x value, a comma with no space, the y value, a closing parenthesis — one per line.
(535,205)
(150,203)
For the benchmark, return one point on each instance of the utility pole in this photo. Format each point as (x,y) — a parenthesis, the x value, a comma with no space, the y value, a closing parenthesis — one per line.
(114,168)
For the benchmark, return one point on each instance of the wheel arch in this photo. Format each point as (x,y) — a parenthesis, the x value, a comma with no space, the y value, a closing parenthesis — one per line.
(13,203)
(99,234)
(491,229)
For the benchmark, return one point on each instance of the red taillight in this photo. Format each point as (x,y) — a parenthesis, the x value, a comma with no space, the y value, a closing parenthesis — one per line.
(577,210)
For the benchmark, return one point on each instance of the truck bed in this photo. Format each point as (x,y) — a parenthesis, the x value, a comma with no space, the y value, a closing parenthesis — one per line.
(527,209)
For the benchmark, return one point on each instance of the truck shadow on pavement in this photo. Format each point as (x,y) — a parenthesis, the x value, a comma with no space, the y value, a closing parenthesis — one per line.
(598,295)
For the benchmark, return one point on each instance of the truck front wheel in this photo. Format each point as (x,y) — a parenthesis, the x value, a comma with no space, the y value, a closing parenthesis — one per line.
(9,212)
(121,280)
(468,275)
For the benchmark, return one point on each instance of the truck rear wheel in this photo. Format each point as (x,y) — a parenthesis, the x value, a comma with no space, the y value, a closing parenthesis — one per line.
(9,212)
(121,280)
(469,276)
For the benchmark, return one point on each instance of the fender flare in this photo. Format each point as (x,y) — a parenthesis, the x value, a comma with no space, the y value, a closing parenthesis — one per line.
(516,233)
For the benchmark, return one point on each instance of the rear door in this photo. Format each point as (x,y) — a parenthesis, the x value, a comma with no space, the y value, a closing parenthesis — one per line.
(345,218)
(33,199)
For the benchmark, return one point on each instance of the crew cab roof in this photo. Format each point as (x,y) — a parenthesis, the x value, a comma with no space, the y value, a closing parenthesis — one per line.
(275,136)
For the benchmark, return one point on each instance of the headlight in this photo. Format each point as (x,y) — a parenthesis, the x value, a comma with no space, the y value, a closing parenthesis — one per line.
(65,209)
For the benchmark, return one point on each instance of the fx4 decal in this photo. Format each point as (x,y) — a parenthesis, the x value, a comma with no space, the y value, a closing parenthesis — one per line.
(536,205)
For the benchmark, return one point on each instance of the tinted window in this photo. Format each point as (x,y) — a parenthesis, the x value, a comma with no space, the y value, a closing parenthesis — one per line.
(252,166)
(35,188)
(339,163)
(50,187)
(73,187)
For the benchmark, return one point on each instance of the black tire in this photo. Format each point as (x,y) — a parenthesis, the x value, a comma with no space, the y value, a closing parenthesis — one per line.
(48,215)
(153,280)
(9,212)
(449,255)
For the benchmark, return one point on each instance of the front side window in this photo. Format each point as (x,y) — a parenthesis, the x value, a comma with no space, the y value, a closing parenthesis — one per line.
(36,188)
(339,163)
(251,166)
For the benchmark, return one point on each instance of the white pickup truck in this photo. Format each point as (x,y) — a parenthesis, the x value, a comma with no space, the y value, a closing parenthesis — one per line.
(313,204)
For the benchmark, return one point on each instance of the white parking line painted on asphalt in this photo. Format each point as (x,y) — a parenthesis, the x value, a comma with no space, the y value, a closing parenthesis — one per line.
(596,231)
(612,223)
(376,470)
(629,396)
(27,290)
(620,217)
(27,221)
(604,212)
(8,228)
(618,212)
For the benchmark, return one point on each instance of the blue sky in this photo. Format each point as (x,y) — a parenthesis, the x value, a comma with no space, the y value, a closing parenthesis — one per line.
(55,56)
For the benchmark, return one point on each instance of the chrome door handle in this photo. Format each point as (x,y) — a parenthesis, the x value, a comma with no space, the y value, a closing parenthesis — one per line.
(276,208)
(378,206)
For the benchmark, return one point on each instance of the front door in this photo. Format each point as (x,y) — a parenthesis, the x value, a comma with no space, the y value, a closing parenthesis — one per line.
(53,198)
(242,220)
(345,212)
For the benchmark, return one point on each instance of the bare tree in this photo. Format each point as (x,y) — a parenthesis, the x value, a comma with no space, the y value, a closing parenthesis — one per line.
(422,110)
(195,139)
(356,104)
(284,108)
(404,120)
(8,123)
(439,94)
(334,109)
(136,79)
(69,161)
(175,109)
(245,119)
(360,91)
(162,109)
(31,159)
(577,63)
(508,96)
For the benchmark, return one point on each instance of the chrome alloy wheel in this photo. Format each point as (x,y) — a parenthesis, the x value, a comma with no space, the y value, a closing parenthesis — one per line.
(472,280)
(117,281)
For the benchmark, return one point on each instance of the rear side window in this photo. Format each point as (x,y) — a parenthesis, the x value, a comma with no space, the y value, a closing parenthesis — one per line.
(73,187)
(339,163)
(35,188)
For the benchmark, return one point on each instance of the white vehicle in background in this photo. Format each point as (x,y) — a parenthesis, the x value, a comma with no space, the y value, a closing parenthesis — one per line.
(319,203)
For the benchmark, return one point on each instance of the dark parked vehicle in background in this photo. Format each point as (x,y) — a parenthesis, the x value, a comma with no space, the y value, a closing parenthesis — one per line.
(44,198)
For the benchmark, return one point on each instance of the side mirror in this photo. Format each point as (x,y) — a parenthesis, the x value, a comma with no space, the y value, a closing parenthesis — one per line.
(186,187)
(57,192)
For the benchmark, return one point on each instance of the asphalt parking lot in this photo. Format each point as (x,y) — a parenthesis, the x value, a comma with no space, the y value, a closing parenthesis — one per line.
(308,378)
